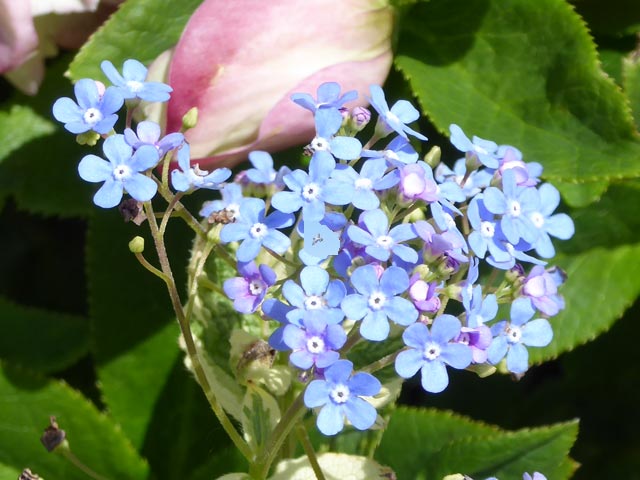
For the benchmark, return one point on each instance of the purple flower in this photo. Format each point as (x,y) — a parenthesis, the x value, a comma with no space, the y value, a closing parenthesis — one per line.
(423,294)
(94,111)
(483,150)
(250,289)
(148,133)
(314,342)
(339,395)
(478,339)
(328,97)
(395,118)
(122,172)
(541,288)
(377,301)
(255,230)
(188,178)
(379,241)
(527,174)
(512,338)
(132,84)
(318,293)
(431,351)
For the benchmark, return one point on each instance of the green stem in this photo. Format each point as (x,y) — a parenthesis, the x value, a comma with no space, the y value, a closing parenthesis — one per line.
(303,438)
(260,468)
(143,261)
(381,363)
(192,351)
(81,466)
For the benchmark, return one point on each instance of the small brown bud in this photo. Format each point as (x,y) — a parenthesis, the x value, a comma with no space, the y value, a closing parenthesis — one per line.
(53,435)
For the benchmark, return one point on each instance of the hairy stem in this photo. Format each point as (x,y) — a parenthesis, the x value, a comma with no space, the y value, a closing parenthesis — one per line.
(303,438)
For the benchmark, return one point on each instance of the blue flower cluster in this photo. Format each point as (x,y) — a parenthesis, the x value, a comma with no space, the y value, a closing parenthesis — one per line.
(132,155)
(375,243)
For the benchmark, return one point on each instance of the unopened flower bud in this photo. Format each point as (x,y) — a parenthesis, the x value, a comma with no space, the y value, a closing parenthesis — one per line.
(189,119)
(136,245)
(53,436)
(89,138)
(432,158)
(359,118)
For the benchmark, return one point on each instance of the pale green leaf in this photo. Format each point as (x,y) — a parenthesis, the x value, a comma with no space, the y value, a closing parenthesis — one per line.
(631,82)
(335,466)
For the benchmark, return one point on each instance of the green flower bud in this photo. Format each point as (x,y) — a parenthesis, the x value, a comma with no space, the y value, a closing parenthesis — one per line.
(190,119)
(136,245)
(88,138)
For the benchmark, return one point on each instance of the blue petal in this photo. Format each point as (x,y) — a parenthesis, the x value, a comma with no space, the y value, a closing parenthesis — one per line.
(521,311)
(445,328)
(406,112)
(276,241)
(294,337)
(328,122)
(117,150)
(346,148)
(140,187)
(537,333)
(144,158)
(134,70)
(234,232)
(401,311)
(301,359)
(335,192)
(111,73)
(94,169)
(457,355)
(408,362)
(321,165)
(339,372)
(330,419)
(293,293)
(248,249)
(86,93)
(355,306)
(66,110)
(287,202)
(358,235)
(434,376)
(375,326)
(364,384)
(518,358)
(109,195)
(314,280)
(376,222)
(494,201)
(111,101)
(394,280)
(560,226)
(316,394)
(364,279)
(360,413)
(498,349)
(416,336)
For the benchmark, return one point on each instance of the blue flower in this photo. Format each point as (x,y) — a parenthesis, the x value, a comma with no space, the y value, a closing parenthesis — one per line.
(559,225)
(311,191)
(483,150)
(231,200)
(314,342)
(277,310)
(483,237)
(132,84)
(541,288)
(511,338)
(397,153)
(479,309)
(250,289)
(395,118)
(148,133)
(263,171)
(318,293)
(536,476)
(431,351)
(475,181)
(377,301)
(255,230)
(121,172)
(364,184)
(188,178)
(339,395)
(515,204)
(328,122)
(94,111)
(379,241)
(328,97)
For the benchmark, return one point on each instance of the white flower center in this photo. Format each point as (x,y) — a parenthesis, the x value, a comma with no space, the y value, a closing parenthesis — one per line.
(233,210)
(364,184)
(134,86)
(431,351)
(487,229)
(537,218)
(121,172)
(340,394)
(377,300)
(92,116)
(315,344)
(314,302)
(256,287)
(514,334)
(310,191)
(384,241)
(319,144)
(413,184)
(514,209)
(258,230)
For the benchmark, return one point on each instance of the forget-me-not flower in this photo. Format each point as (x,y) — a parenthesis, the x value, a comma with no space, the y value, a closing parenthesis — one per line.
(328,97)
(250,289)
(328,121)
(395,118)
(132,83)
(231,200)
(122,172)
(94,111)
(431,351)
(378,300)
(340,394)
(484,150)
(364,185)
(188,177)
(148,133)
(314,342)
(541,215)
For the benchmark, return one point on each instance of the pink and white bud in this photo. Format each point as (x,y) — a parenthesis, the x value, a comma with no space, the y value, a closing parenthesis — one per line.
(238,63)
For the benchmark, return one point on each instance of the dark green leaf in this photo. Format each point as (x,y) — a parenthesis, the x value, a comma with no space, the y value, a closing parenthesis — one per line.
(28,401)
(522,73)
(41,339)
(19,124)
(631,81)
(601,285)
(140,29)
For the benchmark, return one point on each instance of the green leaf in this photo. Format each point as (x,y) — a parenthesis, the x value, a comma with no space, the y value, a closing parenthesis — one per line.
(134,347)
(40,339)
(521,73)
(602,283)
(140,29)
(27,401)
(8,472)
(581,194)
(260,415)
(429,444)
(19,124)
(631,82)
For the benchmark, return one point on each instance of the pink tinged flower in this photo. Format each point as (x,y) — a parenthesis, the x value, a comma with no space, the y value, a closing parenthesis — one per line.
(239,64)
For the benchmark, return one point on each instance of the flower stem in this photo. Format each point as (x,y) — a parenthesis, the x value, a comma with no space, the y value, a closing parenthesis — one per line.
(303,438)
(185,328)
(75,461)
(381,363)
